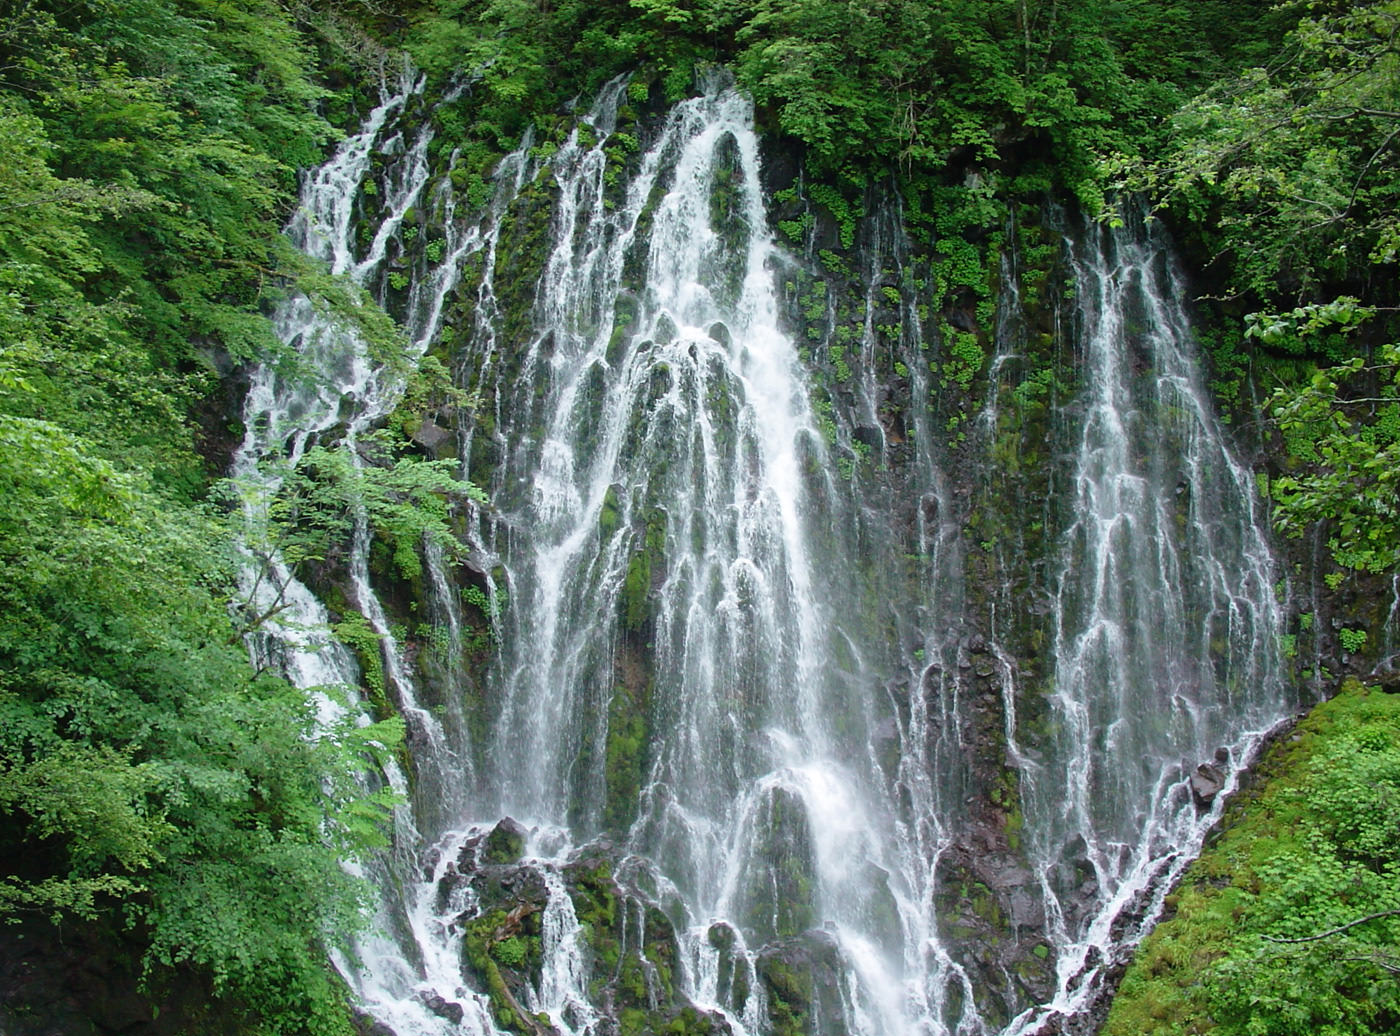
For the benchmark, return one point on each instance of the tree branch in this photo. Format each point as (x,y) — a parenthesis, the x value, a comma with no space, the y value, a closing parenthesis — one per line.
(1342,928)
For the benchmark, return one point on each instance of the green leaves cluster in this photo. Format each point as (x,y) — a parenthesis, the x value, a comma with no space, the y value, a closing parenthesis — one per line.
(894,84)
(190,118)
(1291,170)
(1343,429)
(1286,179)
(404,499)
(145,768)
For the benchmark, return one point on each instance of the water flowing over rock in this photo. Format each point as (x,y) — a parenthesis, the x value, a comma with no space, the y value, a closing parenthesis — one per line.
(800,715)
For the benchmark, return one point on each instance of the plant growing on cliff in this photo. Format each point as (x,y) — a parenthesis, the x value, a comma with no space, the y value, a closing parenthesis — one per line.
(1289,175)
(1343,429)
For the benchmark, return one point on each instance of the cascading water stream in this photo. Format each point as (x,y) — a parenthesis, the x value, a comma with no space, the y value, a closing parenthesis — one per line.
(717,655)
(336,389)
(668,462)
(1166,623)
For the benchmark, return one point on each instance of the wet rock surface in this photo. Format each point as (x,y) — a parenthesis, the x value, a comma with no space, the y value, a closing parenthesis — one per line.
(85,979)
(1206,783)
(802,977)
(625,945)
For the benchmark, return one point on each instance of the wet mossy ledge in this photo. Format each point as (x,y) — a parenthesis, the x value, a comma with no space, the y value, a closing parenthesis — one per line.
(627,944)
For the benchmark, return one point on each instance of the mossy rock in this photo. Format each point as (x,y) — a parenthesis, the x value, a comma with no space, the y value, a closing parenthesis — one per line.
(781,880)
(626,755)
(505,843)
(802,977)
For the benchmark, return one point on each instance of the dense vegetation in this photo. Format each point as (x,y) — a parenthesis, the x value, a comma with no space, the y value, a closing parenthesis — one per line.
(150,777)
(1287,179)
(872,87)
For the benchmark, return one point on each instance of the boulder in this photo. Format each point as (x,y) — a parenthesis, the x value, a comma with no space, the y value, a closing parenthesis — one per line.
(442,1007)
(1206,783)
(431,435)
(505,843)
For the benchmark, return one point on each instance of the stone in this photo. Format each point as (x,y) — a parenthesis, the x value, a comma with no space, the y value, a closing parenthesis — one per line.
(367,1026)
(430,435)
(802,976)
(442,1007)
(1206,783)
(721,936)
(505,843)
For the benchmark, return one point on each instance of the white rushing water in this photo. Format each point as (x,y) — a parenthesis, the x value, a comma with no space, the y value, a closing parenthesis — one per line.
(736,643)
(1166,623)
(329,390)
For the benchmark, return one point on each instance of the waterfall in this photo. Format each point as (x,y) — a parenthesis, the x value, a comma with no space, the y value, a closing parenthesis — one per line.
(739,694)
(1166,623)
(335,390)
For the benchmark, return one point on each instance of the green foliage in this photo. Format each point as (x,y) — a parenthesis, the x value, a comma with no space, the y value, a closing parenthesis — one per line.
(626,754)
(1290,924)
(902,84)
(1343,429)
(149,776)
(406,500)
(491,606)
(1351,640)
(355,632)
(195,118)
(637,585)
(1291,165)
(1288,180)
(844,213)
(143,766)
(635,589)
(510,951)
(966,357)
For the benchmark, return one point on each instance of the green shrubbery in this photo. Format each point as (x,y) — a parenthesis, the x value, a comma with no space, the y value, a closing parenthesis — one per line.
(150,777)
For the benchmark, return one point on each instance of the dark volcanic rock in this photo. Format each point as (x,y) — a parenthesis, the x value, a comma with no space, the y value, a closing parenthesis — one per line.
(631,953)
(802,976)
(443,1007)
(986,894)
(367,1026)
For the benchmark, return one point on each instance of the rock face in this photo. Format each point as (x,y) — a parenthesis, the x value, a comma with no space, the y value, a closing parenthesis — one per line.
(802,976)
(989,908)
(505,843)
(625,945)
(86,980)
(629,953)
(942,394)
(443,1008)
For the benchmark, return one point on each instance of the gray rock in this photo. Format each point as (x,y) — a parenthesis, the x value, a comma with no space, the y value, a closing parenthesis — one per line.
(1206,783)
(430,434)
(505,843)
(442,1007)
